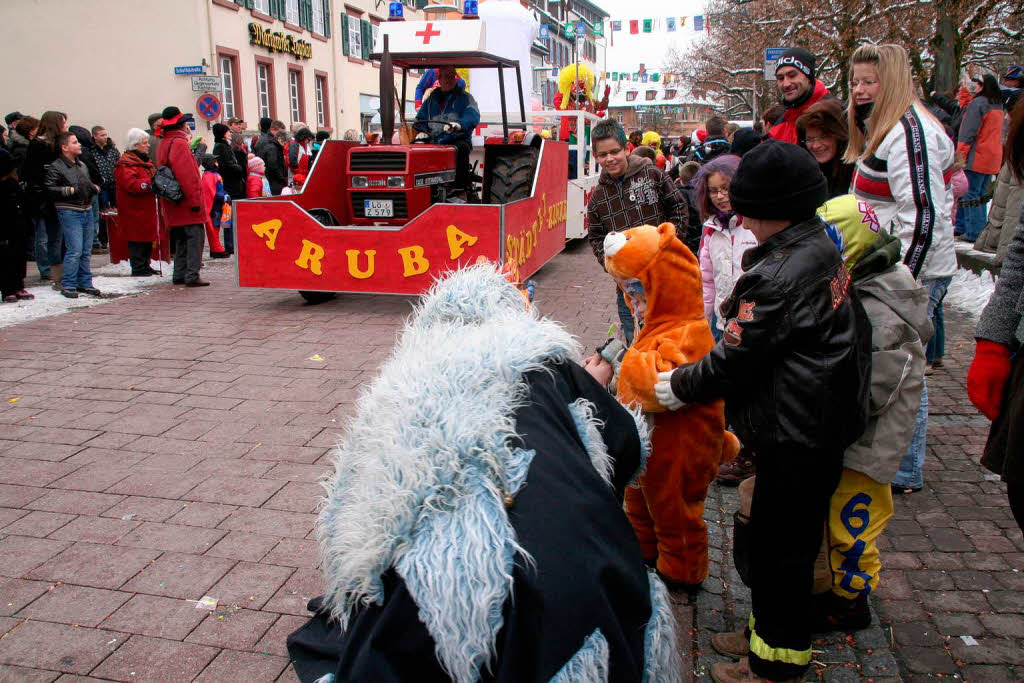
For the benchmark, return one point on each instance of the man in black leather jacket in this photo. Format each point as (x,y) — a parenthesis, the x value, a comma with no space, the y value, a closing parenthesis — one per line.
(793,366)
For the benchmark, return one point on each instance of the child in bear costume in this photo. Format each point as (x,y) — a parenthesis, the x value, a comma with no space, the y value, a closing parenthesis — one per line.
(473,528)
(662,283)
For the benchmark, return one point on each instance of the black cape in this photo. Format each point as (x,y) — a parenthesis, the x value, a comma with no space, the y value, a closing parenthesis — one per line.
(588,567)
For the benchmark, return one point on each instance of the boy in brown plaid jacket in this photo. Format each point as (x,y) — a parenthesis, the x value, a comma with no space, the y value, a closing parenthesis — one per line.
(631,192)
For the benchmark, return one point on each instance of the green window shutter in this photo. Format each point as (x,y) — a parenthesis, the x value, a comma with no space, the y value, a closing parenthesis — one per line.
(344,34)
(327,17)
(306,14)
(277,7)
(367,34)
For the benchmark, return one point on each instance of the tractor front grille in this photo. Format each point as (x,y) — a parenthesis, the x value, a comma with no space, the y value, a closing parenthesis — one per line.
(399,198)
(377,161)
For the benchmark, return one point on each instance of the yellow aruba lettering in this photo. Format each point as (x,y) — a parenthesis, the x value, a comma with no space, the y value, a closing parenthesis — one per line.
(268,231)
(310,257)
(353,263)
(413,262)
(458,241)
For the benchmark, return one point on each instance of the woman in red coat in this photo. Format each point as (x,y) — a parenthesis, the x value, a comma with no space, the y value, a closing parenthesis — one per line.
(136,203)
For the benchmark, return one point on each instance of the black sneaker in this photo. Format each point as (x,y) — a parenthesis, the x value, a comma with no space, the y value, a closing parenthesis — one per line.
(835,613)
(69,293)
(91,291)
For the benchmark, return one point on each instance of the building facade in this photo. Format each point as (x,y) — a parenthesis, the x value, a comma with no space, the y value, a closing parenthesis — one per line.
(113,63)
(555,51)
(669,109)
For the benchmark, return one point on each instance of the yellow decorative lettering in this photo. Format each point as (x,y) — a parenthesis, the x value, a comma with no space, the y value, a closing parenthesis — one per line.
(353,263)
(458,241)
(268,231)
(413,262)
(310,257)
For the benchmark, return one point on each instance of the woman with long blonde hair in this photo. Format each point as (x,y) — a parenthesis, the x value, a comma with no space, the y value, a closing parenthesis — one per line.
(904,163)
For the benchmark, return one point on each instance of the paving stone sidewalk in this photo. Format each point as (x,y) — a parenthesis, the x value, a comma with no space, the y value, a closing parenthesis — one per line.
(162,448)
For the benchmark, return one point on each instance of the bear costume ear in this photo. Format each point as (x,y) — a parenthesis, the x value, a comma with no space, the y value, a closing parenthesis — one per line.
(666,229)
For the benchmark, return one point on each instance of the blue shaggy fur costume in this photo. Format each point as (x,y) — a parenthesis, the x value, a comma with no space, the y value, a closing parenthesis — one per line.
(473,529)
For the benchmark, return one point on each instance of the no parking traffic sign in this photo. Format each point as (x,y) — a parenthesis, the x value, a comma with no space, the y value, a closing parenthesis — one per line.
(208,107)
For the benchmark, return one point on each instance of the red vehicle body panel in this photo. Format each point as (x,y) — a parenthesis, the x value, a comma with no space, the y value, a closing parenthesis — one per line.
(281,246)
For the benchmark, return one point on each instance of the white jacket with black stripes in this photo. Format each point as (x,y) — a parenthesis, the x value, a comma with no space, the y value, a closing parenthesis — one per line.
(907,181)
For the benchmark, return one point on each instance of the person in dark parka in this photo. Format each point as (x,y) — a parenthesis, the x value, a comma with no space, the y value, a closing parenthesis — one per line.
(14,224)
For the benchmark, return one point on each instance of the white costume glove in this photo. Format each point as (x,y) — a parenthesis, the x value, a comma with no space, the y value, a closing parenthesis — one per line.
(455,125)
(663,392)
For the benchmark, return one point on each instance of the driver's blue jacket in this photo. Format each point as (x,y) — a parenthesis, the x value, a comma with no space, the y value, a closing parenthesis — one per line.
(455,105)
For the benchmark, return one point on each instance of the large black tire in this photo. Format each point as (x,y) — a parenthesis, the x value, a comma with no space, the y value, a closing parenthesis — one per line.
(316,297)
(512,175)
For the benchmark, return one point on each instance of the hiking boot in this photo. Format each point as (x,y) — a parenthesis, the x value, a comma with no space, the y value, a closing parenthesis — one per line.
(91,291)
(197,283)
(734,644)
(835,613)
(737,470)
(738,672)
(69,293)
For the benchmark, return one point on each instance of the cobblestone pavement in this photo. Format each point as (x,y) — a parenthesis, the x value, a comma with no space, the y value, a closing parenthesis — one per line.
(163,448)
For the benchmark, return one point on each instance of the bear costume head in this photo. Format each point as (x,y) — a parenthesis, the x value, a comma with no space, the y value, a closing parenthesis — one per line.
(659,274)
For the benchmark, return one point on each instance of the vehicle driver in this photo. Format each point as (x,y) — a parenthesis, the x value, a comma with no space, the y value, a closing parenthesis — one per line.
(450,102)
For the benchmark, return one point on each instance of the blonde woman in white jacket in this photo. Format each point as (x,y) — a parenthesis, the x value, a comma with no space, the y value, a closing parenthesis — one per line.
(723,237)
(904,163)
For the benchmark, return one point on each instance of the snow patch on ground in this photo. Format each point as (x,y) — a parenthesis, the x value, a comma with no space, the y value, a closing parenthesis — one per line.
(113,279)
(970,292)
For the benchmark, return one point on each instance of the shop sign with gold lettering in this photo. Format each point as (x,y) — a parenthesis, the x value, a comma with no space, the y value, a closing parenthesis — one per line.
(279,42)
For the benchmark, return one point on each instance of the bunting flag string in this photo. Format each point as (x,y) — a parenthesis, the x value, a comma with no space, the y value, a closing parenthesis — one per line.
(608,28)
(701,22)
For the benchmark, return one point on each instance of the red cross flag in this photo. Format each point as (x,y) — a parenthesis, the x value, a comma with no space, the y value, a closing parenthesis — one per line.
(431,36)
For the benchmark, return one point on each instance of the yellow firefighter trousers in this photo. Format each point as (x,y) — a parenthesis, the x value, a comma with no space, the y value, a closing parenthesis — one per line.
(859,510)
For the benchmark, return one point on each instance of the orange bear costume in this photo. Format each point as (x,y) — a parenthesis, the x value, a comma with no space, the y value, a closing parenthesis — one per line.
(662,282)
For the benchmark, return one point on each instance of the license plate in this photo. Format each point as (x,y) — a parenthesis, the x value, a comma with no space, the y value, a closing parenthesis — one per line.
(378,208)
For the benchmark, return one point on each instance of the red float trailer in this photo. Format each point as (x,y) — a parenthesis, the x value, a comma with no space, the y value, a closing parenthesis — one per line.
(380,218)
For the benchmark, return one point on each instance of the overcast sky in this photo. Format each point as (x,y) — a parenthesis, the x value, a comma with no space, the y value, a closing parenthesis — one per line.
(650,48)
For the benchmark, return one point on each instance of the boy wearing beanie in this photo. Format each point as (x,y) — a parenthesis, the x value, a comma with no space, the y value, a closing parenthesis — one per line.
(792,366)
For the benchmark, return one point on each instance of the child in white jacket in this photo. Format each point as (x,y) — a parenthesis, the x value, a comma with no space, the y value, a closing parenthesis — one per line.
(724,238)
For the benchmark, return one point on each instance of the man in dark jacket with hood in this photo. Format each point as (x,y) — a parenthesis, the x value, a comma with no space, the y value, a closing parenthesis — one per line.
(793,367)
(631,192)
(271,151)
(716,143)
(798,88)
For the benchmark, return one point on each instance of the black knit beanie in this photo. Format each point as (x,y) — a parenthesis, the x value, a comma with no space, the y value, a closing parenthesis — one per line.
(800,59)
(220,131)
(744,140)
(778,181)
